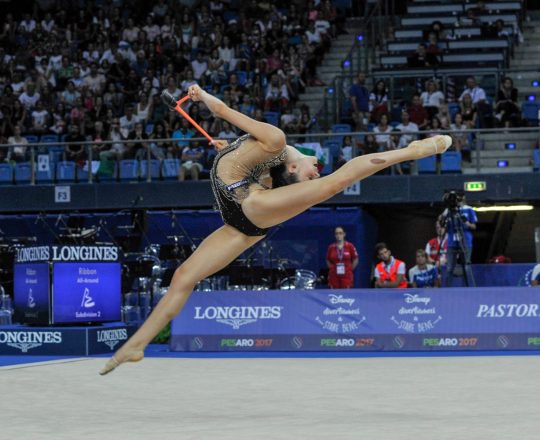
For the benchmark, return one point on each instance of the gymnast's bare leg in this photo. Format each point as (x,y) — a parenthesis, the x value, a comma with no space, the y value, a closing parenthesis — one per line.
(269,208)
(218,250)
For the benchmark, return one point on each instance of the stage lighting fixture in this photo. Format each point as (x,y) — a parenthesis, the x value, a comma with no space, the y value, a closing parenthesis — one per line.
(502,163)
(504,208)
(510,146)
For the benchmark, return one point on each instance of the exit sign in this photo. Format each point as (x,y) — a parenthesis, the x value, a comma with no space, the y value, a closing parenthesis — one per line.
(475,186)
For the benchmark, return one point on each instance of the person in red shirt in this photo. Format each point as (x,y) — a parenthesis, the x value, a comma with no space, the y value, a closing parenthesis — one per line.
(436,247)
(417,113)
(341,259)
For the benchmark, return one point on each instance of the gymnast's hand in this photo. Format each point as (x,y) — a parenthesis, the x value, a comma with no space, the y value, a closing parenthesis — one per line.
(219,144)
(195,93)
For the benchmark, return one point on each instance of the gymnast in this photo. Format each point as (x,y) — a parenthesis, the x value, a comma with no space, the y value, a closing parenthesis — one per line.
(258,182)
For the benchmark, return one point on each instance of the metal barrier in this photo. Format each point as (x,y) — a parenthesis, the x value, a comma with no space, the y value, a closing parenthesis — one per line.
(476,146)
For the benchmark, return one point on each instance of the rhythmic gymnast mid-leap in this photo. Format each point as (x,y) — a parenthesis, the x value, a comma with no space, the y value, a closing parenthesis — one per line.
(258,182)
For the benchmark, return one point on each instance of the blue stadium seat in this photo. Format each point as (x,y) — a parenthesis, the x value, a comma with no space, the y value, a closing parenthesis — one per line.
(530,111)
(55,151)
(453,110)
(6,174)
(171,168)
(31,138)
(50,139)
(229,15)
(65,171)
(82,175)
(295,40)
(129,169)
(23,172)
(334,148)
(427,165)
(341,128)
(272,118)
(395,113)
(242,77)
(451,162)
(536,160)
(371,126)
(149,128)
(155,166)
(45,176)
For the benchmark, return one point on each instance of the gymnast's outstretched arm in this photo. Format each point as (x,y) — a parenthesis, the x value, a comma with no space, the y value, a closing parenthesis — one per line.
(271,139)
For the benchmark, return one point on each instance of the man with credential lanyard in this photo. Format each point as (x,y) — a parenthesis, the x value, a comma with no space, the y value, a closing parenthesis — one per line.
(341,259)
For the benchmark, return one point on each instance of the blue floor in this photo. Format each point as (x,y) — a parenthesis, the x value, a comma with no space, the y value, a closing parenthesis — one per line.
(162,351)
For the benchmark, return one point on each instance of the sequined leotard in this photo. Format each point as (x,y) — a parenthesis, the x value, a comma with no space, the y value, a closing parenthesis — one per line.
(236,167)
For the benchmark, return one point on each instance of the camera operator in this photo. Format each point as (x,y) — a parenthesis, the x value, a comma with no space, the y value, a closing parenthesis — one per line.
(459,220)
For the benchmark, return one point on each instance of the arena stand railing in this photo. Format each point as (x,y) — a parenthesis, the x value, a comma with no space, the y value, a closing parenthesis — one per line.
(487,151)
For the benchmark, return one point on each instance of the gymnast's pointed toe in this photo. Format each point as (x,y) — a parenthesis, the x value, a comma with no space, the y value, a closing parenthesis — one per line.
(114,363)
(430,146)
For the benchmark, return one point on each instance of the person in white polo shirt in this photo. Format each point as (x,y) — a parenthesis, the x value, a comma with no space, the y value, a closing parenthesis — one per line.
(432,98)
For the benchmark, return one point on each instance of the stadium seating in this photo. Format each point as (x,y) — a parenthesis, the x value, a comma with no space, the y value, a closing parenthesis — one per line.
(453,110)
(65,171)
(427,165)
(242,77)
(272,118)
(32,139)
(171,168)
(128,170)
(82,175)
(45,175)
(334,148)
(6,174)
(155,166)
(536,160)
(23,173)
(530,111)
(55,151)
(451,162)
(341,128)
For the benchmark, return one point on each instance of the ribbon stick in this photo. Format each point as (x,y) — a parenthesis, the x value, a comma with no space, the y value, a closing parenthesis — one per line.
(189,118)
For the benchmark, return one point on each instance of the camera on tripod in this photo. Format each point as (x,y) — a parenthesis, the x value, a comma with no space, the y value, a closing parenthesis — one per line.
(452,199)
(458,225)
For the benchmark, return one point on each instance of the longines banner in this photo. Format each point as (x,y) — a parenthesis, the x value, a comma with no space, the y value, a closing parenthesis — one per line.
(34,254)
(384,319)
(75,341)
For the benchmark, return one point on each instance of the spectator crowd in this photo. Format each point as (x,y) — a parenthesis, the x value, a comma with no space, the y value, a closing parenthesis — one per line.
(427,113)
(94,70)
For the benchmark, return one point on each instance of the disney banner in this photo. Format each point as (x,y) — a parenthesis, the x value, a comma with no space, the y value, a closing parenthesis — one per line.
(382,319)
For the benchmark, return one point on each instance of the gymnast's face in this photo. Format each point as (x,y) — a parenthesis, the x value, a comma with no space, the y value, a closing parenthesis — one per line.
(304,167)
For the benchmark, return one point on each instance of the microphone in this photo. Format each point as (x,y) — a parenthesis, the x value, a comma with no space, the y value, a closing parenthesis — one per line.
(58,220)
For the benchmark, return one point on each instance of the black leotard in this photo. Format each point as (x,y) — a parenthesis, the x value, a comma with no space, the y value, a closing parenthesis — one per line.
(230,191)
